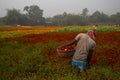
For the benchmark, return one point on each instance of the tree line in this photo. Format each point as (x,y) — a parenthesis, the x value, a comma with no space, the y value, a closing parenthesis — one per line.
(33,16)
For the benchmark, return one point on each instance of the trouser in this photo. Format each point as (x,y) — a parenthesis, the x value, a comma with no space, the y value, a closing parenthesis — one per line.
(80,64)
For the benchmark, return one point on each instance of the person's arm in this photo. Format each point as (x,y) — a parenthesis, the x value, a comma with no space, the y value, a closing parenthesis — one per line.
(70,42)
(75,40)
(89,56)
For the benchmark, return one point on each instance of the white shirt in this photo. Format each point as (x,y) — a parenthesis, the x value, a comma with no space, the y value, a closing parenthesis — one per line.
(84,45)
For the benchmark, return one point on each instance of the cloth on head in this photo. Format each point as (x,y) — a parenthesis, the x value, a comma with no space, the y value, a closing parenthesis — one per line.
(91,34)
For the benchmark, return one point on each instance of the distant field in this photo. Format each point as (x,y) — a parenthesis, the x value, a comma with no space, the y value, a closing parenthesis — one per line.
(6,32)
(12,31)
(29,53)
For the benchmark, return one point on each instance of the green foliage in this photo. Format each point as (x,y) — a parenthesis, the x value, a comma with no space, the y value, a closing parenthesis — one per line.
(8,34)
(99,17)
(35,15)
(14,17)
(19,60)
(85,29)
(69,20)
(73,29)
(36,62)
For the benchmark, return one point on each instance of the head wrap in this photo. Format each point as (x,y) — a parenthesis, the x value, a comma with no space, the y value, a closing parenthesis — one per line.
(91,33)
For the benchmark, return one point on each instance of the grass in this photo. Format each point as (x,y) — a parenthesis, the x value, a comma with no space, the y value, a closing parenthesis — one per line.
(23,62)
(35,62)
(85,29)
(19,60)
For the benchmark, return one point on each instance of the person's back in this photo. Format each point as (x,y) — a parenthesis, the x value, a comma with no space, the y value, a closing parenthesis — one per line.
(83,46)
(84,50)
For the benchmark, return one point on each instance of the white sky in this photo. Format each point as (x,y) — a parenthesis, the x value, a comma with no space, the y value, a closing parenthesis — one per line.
(54,7)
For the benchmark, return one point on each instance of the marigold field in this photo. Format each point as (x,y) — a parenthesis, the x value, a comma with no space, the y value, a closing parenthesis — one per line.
(29,53)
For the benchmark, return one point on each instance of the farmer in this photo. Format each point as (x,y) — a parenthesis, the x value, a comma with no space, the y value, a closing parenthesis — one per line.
(84,49)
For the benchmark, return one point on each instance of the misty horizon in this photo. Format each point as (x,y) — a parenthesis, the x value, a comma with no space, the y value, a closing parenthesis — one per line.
(55,7)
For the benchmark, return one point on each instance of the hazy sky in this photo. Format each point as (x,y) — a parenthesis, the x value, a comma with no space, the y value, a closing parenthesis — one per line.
(54,7)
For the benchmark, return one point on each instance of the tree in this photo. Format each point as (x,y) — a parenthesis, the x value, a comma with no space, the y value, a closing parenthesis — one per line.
(99,17)
(72,19)
(35,15)
(85,12)
(2,20)
(67,19)
(13,16)
(84,16)
(26,8)
(115,18)
(57,20)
